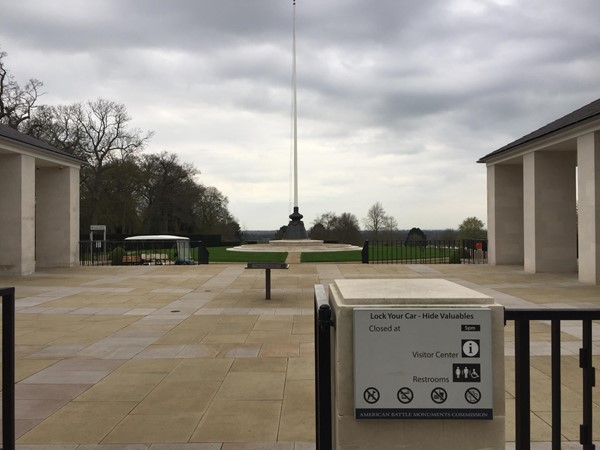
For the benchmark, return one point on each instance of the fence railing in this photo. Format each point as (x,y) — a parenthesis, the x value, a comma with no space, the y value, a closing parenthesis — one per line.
(433,251)
(8,368)
(324,320)
(138,252)
(522,319)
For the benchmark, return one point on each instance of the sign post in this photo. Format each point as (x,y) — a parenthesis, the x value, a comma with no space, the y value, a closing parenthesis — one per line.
(418,364)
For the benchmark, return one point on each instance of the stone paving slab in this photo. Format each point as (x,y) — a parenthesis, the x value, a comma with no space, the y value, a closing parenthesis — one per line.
(194,358)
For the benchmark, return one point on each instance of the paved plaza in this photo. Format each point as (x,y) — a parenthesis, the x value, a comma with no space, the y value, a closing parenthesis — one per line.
(194,357)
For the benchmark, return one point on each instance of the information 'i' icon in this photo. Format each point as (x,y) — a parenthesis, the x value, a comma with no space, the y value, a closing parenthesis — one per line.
(470,348)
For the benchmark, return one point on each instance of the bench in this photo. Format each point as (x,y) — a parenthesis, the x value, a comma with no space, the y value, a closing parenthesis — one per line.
(267,267)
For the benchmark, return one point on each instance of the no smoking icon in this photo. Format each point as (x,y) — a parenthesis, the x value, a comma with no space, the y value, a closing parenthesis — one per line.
(371,395)
(405,395)
(472,395)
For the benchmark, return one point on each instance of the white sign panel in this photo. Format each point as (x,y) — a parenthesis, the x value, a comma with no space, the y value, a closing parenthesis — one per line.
(423,363)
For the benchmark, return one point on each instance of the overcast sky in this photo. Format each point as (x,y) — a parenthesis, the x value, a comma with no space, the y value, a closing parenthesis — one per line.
(397,99)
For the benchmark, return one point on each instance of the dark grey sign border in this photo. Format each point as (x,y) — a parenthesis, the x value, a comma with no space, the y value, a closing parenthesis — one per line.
(425,414)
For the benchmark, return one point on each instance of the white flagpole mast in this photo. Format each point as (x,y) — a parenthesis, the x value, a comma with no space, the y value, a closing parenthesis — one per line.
(295,229)
(294,107)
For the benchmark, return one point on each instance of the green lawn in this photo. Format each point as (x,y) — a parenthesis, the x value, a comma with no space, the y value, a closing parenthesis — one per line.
(376,253)
(220,254)
(313,257)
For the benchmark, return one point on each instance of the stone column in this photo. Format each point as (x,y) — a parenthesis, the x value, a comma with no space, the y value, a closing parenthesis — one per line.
(550,219)
(588,166)
(505,213)
(57,218)
(17,214)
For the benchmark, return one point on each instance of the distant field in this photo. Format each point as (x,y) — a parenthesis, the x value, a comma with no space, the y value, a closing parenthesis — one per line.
(220,254)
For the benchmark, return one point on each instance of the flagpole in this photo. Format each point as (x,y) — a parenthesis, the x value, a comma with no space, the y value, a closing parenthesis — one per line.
(295,108)
(295,229)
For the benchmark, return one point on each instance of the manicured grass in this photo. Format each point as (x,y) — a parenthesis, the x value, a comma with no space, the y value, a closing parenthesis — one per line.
(220,254)
(315,257)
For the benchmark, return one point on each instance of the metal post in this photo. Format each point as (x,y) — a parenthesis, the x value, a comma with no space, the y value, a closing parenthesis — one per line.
(365,253)
(323,408)
(268,283)
(8,368)
(589,381)
(522,391)
(556,397)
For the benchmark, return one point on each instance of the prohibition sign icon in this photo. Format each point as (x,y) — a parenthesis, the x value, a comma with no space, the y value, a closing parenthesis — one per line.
(439,395)
(405,395)
(472,395)
(371,395)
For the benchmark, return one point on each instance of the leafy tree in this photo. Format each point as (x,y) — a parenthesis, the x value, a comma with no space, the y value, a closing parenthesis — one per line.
(16,103)
(415,236)
(213,214)
(168,192)
(172,202)
(323,227)
(343,228)
(318,231)
(347,230)
(119,206)
(279,234)
(472,228)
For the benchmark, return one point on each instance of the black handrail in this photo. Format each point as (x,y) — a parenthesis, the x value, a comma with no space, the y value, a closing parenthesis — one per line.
(323,408)
(8,368)
(522,318)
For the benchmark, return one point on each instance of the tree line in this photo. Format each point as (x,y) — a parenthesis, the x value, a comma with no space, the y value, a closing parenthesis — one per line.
(381,226)
(120,186)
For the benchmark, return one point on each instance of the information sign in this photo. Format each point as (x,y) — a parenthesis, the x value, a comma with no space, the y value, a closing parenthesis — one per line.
(423,363)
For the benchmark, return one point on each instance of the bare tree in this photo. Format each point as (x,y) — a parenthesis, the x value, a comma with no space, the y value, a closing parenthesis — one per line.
(16,103)
(375,219)
(390,226)
(98,131)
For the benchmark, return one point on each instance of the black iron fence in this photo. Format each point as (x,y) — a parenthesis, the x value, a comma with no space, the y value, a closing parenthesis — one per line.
(325,320)
(433,251)
(140,252)
(522,319)
(8,368)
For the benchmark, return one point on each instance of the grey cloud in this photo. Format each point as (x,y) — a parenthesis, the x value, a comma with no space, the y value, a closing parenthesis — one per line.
(433,85)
